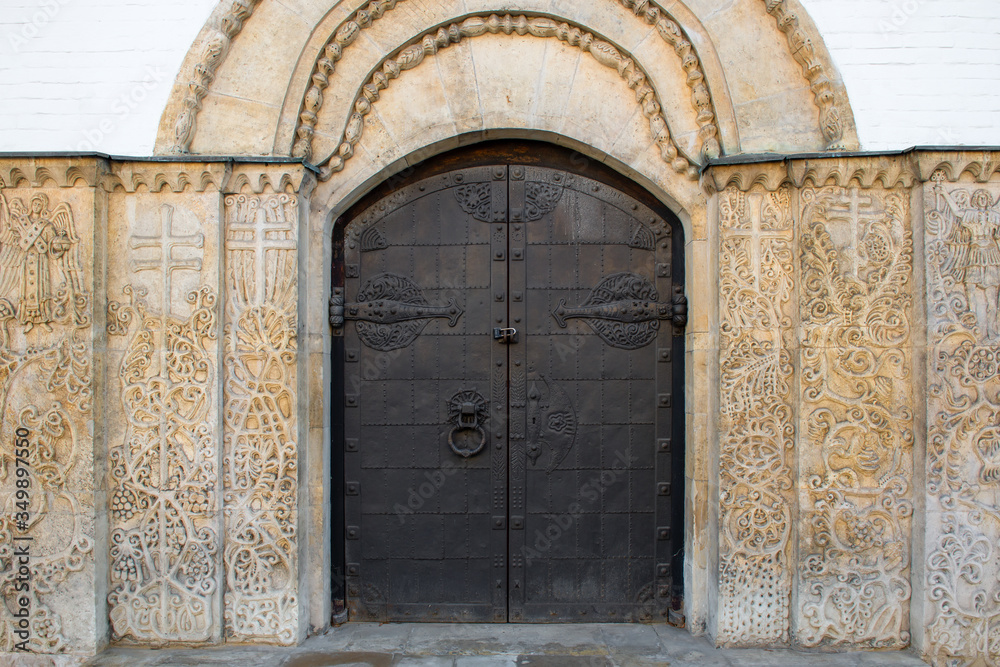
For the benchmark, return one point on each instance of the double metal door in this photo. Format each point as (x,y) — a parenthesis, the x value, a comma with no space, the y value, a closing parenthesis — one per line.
(512,405)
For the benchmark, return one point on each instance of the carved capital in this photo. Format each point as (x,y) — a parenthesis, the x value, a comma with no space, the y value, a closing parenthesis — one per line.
(292,178)
(42,172)
(862,171)
(980,166)
(164,176)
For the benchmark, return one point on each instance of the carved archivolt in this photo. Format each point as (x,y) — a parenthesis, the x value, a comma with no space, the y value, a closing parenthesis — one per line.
(756,429)
(213,54)
(801,48)
(654,15)
(857,418)
(963,421)
(413,54)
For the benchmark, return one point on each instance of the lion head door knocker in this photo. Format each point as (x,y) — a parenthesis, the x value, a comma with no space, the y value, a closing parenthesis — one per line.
(552,424)
(467,411)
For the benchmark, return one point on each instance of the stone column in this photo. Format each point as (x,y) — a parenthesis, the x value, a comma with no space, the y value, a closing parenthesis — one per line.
(756,414)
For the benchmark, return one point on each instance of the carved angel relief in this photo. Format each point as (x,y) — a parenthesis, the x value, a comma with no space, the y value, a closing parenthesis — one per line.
(963,438)
(46,393)
(40,277)
(857,412)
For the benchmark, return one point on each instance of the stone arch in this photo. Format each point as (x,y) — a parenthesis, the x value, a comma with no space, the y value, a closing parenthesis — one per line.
(260,71)
(429,44)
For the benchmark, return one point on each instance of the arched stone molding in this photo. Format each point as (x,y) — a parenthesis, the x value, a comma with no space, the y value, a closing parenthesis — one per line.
(608,55)
(348,32)
(762,100)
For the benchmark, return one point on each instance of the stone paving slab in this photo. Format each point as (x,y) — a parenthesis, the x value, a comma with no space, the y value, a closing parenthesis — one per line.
(505,645)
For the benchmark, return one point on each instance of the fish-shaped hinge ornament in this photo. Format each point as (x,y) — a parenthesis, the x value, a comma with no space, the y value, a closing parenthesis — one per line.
(624,310)
(390,312)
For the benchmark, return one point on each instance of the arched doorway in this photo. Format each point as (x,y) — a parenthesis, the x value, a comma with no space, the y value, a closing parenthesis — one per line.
(508,356)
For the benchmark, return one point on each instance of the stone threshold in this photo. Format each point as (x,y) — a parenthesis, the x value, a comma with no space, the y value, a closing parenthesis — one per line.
(498,645)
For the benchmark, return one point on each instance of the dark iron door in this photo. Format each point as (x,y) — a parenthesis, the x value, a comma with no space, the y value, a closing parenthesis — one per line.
(509,399)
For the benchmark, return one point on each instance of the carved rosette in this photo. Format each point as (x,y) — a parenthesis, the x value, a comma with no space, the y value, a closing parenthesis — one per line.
(46,409)
(963,423)
(260,471)
(756,430)
(855,459)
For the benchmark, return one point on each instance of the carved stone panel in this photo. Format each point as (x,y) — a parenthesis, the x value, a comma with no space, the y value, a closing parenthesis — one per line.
(47,514)
(963,423)
(756,427)
(856,418)
(260,444)
(162,370)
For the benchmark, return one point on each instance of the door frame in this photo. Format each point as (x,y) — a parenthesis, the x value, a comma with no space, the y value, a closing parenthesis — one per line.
(488,153)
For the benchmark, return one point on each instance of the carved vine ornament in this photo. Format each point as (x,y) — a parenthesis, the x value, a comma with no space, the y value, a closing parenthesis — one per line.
(217,48)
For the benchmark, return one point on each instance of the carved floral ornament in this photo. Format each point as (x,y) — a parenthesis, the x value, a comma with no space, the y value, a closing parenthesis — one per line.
(217,45)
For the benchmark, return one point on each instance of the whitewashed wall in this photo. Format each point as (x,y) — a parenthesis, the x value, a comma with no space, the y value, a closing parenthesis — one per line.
(95,74)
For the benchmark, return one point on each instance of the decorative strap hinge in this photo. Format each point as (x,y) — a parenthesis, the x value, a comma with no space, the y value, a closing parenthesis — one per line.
(337,308)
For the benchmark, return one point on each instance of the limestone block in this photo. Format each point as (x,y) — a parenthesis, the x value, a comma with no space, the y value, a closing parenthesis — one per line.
(162,417)
(756,424)
(260,418)
(47,512)
(962,560)
(855,448)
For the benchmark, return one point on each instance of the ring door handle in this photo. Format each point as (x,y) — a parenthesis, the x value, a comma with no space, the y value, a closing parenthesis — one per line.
(467,411)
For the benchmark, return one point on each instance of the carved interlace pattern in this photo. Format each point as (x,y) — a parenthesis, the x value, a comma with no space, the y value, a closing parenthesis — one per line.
(260,472)
(164,547)
(45,387)
(963,436)
(756,430)
(857,418)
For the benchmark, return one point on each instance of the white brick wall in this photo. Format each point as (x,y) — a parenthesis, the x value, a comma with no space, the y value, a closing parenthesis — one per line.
(90,75)
(919,72)
(96,74)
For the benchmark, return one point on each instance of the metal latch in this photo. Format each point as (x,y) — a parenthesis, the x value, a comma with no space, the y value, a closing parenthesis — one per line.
(505,336)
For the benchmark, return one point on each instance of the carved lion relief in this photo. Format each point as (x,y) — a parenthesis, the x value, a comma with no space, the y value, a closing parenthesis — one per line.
(857,418)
